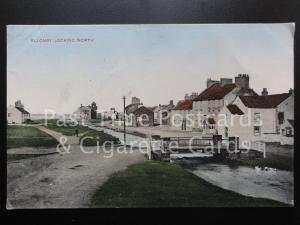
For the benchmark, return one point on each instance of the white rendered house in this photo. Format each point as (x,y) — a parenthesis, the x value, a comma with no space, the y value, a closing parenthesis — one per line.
(259,118)
(17,115)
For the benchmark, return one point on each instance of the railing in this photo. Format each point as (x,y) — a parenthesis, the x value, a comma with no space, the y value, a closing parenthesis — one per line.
(191,141)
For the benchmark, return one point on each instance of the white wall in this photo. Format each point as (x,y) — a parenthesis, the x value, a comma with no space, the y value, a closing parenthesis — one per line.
(242,126)
(177,117)
(287,106)
(15,115)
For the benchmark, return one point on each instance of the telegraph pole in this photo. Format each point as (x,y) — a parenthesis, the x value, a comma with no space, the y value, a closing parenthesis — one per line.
(124,118)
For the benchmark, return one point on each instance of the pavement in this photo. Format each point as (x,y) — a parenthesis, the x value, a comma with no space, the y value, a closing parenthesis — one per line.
(70,140)
(63,180)
(163,131)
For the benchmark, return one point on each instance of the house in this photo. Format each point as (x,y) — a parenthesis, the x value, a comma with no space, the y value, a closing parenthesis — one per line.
(181,115)
(112,114)
(265,118)
(208,104)
(135,103)
(17,114)
(142,116)
(164,113)
(284,104)
(138,115)
(86,112)
(154,109)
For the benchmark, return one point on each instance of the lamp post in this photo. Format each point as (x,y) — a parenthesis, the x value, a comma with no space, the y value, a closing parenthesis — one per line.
(124,117)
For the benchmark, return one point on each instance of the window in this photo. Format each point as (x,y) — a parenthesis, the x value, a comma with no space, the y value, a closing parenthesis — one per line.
(226,131)
(280,117)
(256,131)
(289,131)
(257,117)
(9,114)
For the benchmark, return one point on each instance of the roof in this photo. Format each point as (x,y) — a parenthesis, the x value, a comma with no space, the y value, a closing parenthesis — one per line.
(275,100)
(22,110)
(131,107)
(128,106)
(291,122)
(234,109)
(215,92)
(245,92)
(264,102)
(142,109)
(184,105)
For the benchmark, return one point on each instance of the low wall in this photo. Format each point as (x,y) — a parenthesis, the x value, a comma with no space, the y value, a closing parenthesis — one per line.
(283,140)
(278,149)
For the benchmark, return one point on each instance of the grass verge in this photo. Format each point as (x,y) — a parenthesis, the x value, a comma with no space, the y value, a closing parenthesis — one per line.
(159,184)
(67,129)
(21,136)
(93,138)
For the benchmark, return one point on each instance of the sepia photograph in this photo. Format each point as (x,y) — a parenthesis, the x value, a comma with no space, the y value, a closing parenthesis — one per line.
(150,115)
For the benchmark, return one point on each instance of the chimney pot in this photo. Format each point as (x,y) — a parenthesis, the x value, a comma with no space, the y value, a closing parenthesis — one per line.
(264,92)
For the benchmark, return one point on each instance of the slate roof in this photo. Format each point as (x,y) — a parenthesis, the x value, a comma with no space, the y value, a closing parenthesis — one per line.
(23,111)
(131,107)
(215,92)
(264,102)
(142,110)
(234,109)
(184,105)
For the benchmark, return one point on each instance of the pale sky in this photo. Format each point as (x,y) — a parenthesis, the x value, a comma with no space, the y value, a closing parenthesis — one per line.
(156,63)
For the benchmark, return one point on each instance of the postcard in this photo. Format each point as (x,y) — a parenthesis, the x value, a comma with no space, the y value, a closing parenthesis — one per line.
(150,115)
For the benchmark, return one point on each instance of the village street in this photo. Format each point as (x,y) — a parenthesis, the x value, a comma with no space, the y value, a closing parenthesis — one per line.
(162,130)
(62,180)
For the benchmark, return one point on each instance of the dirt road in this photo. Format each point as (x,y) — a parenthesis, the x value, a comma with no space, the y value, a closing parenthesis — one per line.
(62,180)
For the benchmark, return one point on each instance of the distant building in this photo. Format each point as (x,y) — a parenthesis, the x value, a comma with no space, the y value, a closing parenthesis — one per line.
(135,103)
(179,115)
(138,115)
(86,112)
(164,113)
(154,109)
(135,100)
(17,114)
(94,110)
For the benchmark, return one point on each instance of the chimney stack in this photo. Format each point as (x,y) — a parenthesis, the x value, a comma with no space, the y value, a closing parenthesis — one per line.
(291,91)
(264,92)
(242,81)
(210,82)
(224,81)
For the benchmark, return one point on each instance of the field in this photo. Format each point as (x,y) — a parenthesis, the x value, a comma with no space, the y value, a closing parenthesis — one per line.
(21,136)
(159,184)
